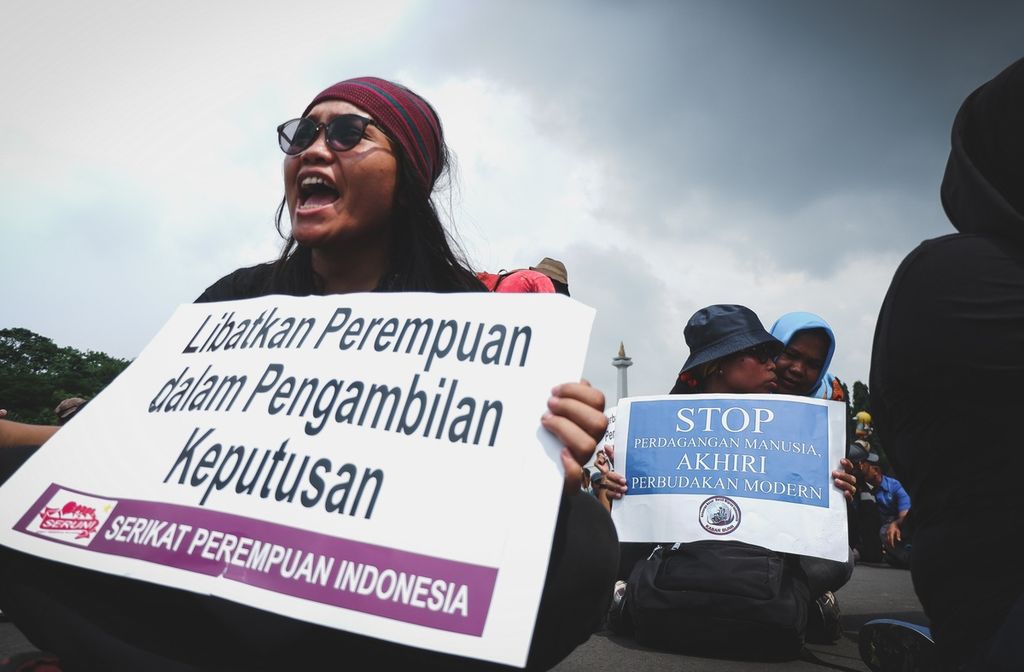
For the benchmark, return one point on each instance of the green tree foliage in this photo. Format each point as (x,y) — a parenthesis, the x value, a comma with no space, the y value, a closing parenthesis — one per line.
(861,399)
(36,375)
(850,423)
(862,402)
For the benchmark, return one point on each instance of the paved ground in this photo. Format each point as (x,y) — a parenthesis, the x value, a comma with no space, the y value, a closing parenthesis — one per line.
(875,591)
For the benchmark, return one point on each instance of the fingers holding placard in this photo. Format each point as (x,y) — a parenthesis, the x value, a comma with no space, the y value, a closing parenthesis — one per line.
(576,417)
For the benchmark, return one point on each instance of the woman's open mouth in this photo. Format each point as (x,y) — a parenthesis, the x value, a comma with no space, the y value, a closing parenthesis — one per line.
(316,192)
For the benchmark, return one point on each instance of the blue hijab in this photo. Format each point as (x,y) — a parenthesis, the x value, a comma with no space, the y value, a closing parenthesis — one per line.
(788,325)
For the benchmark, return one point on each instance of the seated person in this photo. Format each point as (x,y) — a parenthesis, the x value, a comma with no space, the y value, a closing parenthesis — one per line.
(601,488)
(585,484)
(730,352)
(359,169)
(802,370)
(523,281)
(555,271)
(547,277)
(863,518)
(893,504)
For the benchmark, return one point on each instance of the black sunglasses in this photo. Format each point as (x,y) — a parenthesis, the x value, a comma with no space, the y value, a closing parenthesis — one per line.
(761,353)
(343,132)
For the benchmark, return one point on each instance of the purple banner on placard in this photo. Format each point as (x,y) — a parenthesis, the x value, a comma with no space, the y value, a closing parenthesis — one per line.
(409,587)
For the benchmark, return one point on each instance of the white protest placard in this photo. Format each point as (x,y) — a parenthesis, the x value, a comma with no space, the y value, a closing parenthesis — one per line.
(331,459)
(750,467)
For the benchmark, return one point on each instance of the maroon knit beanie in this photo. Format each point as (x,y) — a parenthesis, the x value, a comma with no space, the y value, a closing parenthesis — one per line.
(404,116)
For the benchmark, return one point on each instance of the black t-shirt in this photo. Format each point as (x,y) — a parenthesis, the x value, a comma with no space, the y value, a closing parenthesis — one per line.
(947,397)
(245,283)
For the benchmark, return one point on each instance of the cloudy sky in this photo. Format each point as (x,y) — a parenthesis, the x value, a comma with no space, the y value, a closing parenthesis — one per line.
(784,155)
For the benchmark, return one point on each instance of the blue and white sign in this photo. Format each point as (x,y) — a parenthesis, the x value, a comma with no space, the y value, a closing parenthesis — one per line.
(754,468)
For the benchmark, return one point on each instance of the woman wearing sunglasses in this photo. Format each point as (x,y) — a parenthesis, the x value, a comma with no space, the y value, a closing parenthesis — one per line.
(359,169)
(730,352)
(360,166)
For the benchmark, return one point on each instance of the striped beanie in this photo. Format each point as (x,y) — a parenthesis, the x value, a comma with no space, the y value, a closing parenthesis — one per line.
(404,116)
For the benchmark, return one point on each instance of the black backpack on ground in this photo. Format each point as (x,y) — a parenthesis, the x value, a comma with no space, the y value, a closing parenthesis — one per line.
(720,597)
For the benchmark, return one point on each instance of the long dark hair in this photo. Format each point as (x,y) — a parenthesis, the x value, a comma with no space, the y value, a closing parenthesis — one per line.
(424,257)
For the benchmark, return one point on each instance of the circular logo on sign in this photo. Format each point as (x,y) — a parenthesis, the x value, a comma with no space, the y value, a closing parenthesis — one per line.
(719,515)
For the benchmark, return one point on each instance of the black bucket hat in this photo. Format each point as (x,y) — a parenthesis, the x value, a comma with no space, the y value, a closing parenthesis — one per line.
(722,329)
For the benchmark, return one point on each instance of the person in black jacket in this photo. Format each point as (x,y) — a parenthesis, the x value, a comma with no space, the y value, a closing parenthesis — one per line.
(946,388)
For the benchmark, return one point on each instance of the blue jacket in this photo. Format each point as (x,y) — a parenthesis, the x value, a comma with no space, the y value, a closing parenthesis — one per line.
(891,498)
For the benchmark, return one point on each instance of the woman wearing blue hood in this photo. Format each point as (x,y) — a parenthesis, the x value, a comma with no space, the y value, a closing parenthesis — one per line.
(802,370)
(802,367)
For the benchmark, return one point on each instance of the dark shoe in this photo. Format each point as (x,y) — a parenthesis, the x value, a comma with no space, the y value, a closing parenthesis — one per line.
(30,661)
(887,645)
(823,624)
(898,557)
(619,621)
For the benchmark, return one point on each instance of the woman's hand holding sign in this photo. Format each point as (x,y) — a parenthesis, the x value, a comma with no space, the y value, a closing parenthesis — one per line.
(613,484)
(845,480)
(576,417)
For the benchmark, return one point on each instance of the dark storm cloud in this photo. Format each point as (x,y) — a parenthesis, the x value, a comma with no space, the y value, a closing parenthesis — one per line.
(782,107)
(787,153)
(637,309)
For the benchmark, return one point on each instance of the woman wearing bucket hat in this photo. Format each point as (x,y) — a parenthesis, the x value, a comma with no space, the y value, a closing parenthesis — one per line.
(732,353)
(360,166)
